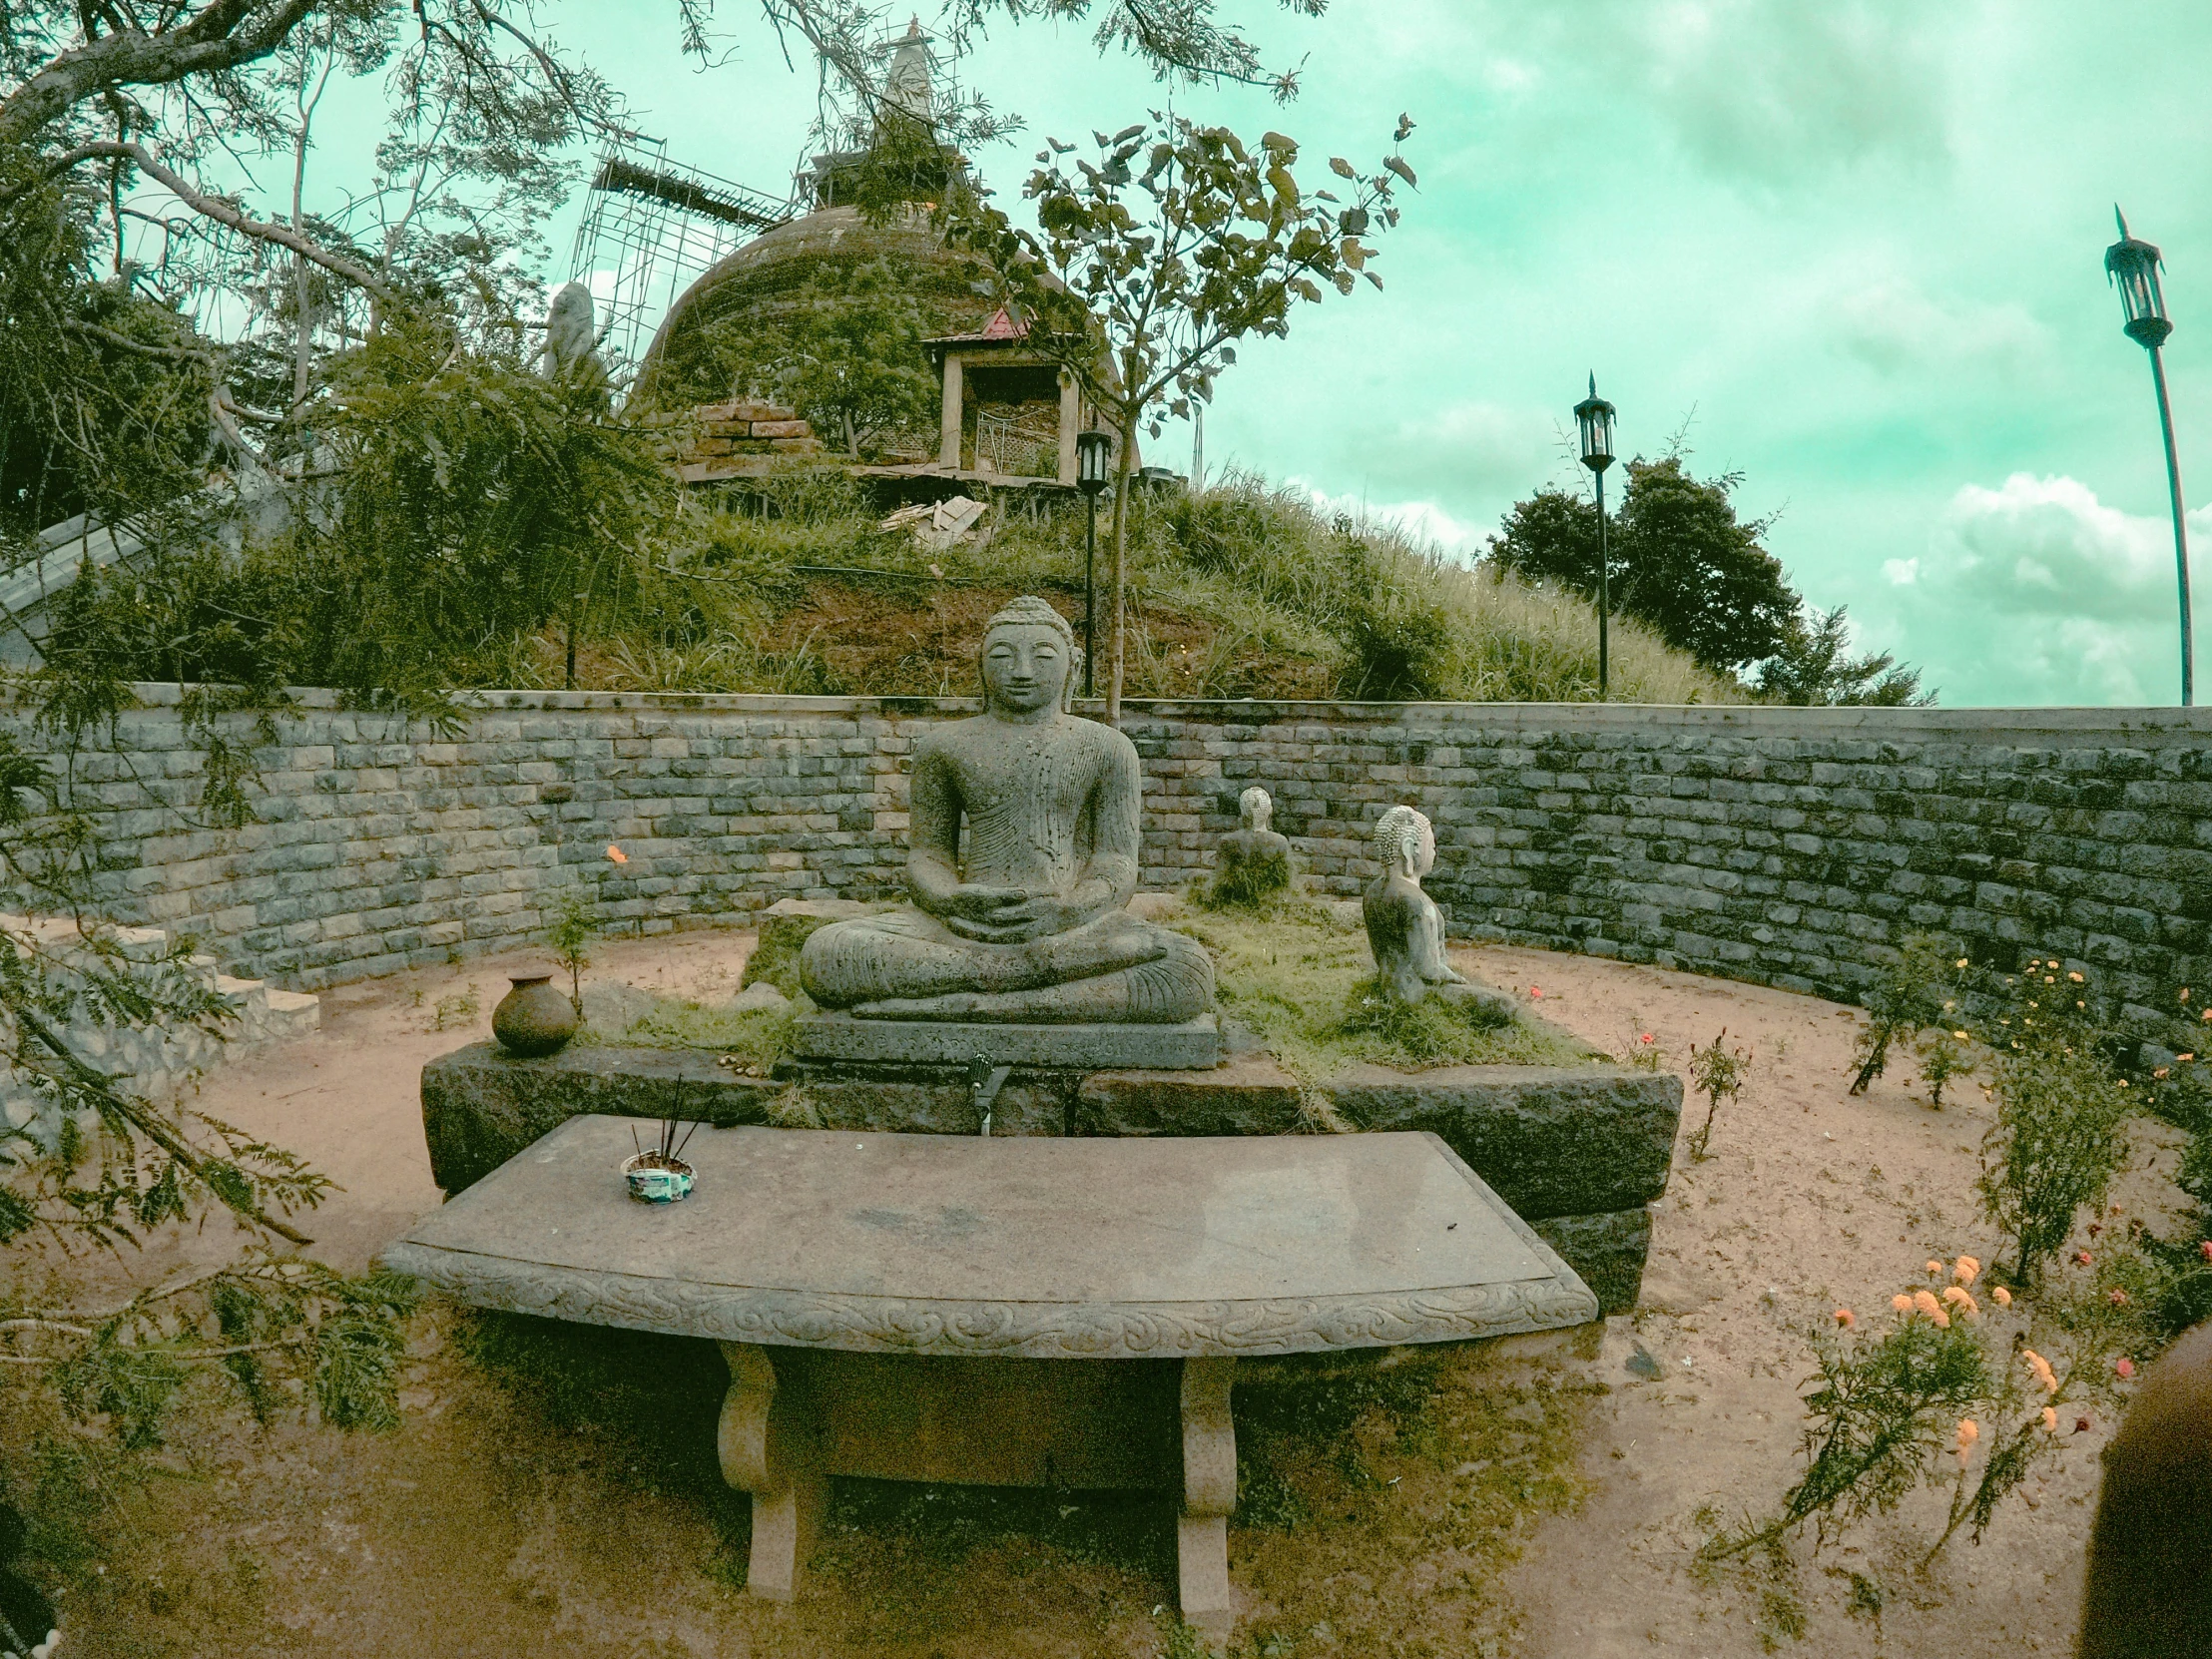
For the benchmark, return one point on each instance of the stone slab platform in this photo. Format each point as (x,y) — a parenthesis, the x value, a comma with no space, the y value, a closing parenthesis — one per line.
(834,1036)
(1041,1247)
(907,1307)
(1578,1152)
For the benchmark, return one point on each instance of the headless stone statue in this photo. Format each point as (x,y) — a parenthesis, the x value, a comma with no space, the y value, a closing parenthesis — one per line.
(571,333)
(1029,926)
(1406,930)
(1254,864)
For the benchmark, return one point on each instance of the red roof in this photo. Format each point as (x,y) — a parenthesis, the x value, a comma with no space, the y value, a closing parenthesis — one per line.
(1002,327)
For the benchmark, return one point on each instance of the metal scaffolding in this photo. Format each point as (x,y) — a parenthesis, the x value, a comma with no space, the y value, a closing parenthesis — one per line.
(650,228)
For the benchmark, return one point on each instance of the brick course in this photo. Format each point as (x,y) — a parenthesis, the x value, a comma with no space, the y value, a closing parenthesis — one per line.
(1793,846)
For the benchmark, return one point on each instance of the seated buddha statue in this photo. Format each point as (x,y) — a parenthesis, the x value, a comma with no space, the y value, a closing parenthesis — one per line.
(1027,924)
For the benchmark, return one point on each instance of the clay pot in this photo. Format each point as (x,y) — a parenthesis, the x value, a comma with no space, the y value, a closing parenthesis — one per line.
(533,1018)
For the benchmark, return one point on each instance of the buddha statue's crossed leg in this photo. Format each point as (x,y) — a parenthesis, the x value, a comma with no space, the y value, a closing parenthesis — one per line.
(909,955)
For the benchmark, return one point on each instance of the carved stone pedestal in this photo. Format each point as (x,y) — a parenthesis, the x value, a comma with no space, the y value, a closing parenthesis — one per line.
(795,1417)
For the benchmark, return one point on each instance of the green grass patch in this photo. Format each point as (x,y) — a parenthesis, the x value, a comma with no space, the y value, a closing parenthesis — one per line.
(754,1036)
(1304,984)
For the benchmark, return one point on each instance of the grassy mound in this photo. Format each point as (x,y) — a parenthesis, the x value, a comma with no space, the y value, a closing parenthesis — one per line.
(787,585)
(1292,974)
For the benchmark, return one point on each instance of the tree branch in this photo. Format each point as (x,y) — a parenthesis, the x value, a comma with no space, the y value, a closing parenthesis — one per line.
(226,213)
(151,1127)
(222,37)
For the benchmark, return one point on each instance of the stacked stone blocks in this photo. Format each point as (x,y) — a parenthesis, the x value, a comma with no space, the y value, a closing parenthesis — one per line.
(1792,846)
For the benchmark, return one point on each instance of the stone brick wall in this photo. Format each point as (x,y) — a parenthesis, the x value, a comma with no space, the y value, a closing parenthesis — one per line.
(1785,845)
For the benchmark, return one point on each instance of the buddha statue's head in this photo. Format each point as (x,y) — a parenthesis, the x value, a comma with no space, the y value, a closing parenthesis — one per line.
(1028,660)
(1255,809)
(1404,844)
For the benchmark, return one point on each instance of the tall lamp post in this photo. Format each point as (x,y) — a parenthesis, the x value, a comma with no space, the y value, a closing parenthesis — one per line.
(2133,267)
(1595,417)
(1092,476)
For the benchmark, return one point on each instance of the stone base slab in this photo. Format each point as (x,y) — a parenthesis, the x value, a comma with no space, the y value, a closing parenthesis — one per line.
(1065,1047)
(1607,1251)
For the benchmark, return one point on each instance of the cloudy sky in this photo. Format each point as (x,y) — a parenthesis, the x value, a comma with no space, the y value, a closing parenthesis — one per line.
(1857,245)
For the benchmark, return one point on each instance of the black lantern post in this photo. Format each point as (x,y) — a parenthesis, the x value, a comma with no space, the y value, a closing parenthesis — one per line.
(2133,267)
(1595,418)
(1091,453)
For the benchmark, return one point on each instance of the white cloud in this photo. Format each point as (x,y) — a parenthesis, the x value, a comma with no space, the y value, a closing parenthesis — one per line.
(1420,521)
(1892,325)
(2049,596)
(1770,91)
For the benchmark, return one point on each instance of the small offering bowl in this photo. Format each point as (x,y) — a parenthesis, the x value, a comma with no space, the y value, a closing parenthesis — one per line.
(654,1179)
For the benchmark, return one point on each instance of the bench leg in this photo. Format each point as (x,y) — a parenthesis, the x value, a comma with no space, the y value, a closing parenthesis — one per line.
(1209,1495)
(766,1442)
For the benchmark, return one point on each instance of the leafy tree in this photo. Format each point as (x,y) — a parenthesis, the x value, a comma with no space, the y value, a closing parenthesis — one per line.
(1682,560)
(1813,665)
(1140,284)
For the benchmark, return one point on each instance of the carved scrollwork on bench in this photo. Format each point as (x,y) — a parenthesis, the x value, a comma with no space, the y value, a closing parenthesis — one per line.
(887,1325)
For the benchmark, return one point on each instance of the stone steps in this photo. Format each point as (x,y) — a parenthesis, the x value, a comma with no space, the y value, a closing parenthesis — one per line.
(159,1063)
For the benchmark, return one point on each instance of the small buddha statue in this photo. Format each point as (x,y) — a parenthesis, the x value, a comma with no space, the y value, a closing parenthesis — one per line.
(1254,864)
(1029,926)
(1406,930)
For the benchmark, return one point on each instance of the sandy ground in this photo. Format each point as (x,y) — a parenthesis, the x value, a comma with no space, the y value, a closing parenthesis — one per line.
(499,1523)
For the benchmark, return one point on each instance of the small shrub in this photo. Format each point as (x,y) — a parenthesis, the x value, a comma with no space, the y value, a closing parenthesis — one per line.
(1640,1050)
(1718,1073)
(575,926)
(2057,1140)
(1949,1393)
(1911,993)
(1942,1053)
(460,1008)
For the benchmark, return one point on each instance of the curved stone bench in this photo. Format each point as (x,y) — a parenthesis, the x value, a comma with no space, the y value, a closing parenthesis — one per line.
(912,1307)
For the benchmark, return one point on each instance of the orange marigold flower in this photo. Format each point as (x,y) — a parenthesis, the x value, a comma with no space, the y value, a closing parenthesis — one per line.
(2050,1418)
(1536,991)
(1924,1302)
(2206,1247)
(1902,1302)
(1846,1318)
(1934,1269)
(2003,1295)
(1967,1270)
(1958,1299)
(615,855)
(2041,1368)
(1968,1433)
(2126,1367)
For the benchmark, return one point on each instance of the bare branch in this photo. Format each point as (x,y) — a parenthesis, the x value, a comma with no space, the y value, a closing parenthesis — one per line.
(228,214)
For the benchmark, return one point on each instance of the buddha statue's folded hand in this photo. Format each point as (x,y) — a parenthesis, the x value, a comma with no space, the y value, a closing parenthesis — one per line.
(1018,919)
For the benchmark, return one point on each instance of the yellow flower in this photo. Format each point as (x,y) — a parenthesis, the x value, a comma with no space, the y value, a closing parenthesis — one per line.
(2003,1295)
(1961,961)
(1961,1035)
(1967,1270)
(2076,977)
